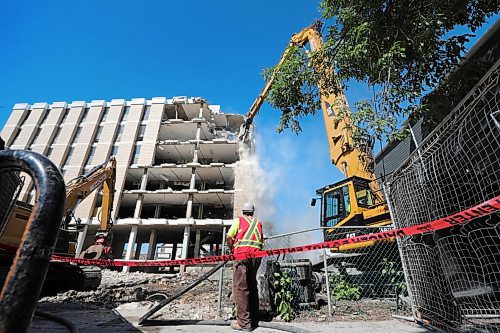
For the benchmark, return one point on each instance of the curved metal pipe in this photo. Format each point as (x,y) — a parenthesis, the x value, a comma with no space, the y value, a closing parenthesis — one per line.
(22,287)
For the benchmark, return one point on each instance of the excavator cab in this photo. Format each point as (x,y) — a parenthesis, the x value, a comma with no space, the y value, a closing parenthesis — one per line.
(350,203)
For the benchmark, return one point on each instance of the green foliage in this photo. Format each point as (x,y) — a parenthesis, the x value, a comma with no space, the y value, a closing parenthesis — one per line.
(342,289)
(399,49)
(294,90)
(394,275)
(283,296)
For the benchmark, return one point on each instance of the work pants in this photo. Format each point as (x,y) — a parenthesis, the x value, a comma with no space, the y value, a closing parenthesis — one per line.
(245,292)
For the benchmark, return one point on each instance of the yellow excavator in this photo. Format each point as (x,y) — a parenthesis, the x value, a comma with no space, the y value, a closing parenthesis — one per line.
(357,200)
(64,276)
(82,186)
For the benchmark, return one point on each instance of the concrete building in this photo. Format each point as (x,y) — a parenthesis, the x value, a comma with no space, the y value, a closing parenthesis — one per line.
(179,179)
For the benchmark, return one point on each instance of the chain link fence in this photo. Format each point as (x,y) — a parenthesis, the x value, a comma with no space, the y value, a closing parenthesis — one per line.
(454,274)
(364,283)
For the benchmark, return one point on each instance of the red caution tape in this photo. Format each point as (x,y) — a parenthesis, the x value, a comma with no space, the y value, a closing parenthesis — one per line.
(480,210)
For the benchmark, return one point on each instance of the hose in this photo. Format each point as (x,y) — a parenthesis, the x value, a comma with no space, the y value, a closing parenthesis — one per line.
(163,303)
(66,322)
(275,326)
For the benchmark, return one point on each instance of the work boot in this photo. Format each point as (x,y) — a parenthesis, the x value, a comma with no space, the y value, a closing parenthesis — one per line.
(236,326)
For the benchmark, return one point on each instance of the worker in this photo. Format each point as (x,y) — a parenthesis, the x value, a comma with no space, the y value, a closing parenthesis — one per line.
(245,237)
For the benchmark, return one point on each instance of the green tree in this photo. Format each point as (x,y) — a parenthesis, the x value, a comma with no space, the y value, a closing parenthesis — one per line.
(401,49)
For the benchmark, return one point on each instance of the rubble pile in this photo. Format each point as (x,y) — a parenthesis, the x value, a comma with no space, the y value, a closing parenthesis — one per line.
(137,292)
(140,290)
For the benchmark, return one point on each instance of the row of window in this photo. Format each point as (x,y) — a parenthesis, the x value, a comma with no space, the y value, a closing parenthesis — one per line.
(104,117)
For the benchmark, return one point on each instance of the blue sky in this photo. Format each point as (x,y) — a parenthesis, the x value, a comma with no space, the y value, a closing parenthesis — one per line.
(68,50)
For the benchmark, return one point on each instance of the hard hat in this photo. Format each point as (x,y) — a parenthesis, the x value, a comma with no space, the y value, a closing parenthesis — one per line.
(248,207)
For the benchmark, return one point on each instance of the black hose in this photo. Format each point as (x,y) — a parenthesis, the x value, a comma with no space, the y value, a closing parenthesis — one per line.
(66,322)
(163,303)
(275,326)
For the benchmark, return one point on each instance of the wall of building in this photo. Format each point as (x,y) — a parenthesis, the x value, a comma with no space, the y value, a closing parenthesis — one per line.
(179,179)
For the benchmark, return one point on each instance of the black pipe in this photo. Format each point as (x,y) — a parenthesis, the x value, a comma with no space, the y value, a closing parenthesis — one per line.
(274,326)
(22,287)
(163,303)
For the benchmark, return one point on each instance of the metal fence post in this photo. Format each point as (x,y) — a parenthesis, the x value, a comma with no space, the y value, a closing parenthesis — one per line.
(403,262)
(221,276)
(325,263)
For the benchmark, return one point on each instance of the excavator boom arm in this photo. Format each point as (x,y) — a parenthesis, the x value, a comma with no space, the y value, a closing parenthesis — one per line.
(352,161)
(81,187)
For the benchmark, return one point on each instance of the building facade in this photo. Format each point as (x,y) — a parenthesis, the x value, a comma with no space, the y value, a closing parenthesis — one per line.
(179,179)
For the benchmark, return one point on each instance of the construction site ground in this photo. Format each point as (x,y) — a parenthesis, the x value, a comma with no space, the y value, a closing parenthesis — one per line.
(123,298)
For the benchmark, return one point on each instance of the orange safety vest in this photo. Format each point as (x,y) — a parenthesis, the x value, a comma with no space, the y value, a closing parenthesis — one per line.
(249,233)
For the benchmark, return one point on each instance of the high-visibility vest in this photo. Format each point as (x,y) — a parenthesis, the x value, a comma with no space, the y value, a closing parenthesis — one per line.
(249,233)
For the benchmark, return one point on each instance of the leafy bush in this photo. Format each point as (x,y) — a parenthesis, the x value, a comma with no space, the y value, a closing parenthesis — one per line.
(283,296)
(394,275)
(342,289)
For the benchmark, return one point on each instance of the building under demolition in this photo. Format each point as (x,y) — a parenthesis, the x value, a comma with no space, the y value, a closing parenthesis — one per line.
(179,179)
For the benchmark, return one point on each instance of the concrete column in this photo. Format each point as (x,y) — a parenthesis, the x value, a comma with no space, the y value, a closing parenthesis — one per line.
(138,206)
(185,241)
(138,251)
(130,246)
(157,211)
(189,206)
(152,245)
(81,240)
(144,179)
(140,199)
(174,250)
(192,182)
(197,244)
(200,212)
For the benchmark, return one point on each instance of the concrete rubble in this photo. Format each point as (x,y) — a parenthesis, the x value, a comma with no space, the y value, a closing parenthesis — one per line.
(140,290)
(123,298)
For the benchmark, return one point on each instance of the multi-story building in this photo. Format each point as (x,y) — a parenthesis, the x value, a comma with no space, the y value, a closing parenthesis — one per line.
(179,179)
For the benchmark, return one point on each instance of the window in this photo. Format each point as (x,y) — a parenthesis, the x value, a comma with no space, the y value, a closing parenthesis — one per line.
(125,113)
(58,131)
(98,133)
(336,206)
(31,194)
(137,151)
(90,157)
(363,194)
(14,138)
(77,135)
(105,114)
(145,114)
(66,113)
(85,114)
(140,135)
(69,155)
(114,151)
(37,133)
(119,134)
(45,115)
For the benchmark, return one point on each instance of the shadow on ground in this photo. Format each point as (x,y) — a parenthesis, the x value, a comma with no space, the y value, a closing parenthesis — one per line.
(87,318)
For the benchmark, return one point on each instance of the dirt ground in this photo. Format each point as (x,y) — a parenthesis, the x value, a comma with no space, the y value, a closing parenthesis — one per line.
(123,298)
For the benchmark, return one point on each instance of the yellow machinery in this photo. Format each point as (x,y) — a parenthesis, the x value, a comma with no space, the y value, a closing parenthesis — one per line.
(63,276)
(76,191)
(357,200)
(82,186)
